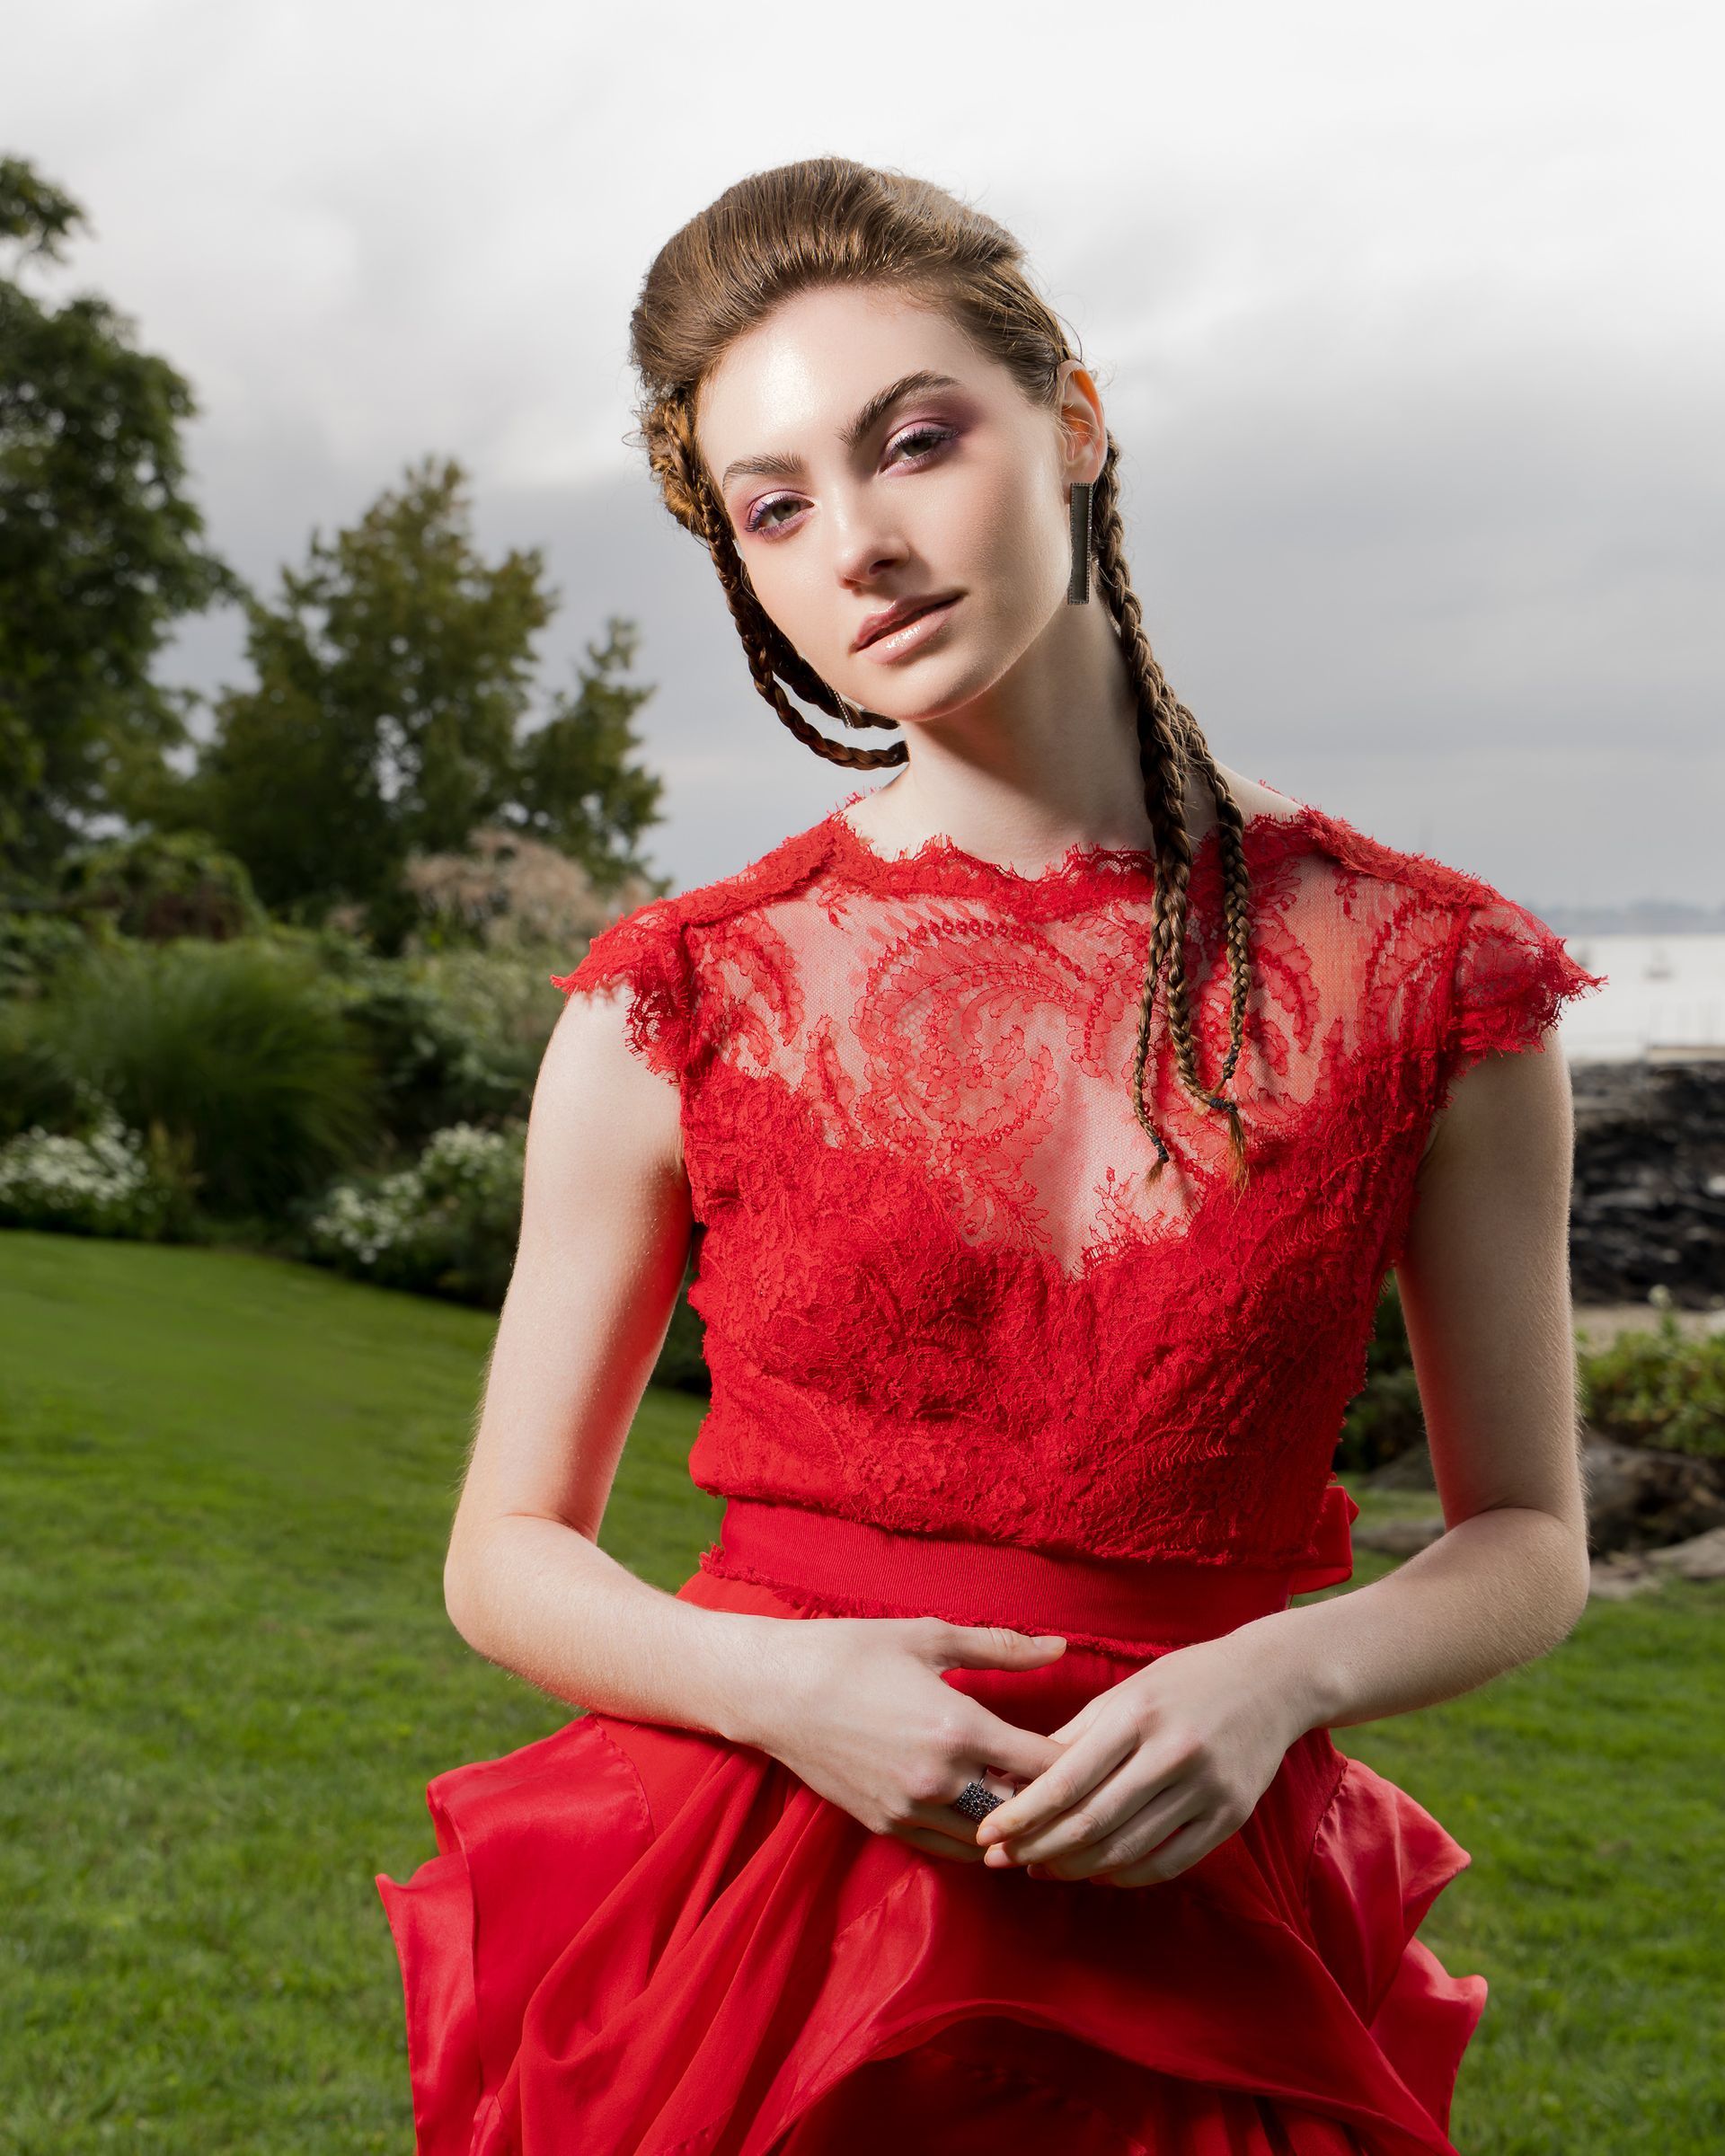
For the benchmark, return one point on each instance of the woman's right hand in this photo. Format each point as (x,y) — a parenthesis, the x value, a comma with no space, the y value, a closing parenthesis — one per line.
(856,1707)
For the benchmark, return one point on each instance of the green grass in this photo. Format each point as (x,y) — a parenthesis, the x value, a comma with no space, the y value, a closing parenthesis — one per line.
(227,1488)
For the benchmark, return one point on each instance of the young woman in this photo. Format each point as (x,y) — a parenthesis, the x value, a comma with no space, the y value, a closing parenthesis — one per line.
(1047,1120)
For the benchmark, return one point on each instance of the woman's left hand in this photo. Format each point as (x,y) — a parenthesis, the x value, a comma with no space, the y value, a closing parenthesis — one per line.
(1158,1770)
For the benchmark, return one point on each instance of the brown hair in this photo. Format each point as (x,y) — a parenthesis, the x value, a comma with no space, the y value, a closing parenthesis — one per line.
(829,220)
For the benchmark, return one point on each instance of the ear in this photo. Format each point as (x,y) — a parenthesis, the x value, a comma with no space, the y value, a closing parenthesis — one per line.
(1084,428)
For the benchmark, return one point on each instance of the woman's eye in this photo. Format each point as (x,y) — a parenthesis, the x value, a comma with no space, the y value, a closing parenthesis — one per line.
(925,436)
(921,441)
(760,516)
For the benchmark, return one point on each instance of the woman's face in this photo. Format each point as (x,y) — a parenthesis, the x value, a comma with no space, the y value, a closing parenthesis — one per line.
(954,491)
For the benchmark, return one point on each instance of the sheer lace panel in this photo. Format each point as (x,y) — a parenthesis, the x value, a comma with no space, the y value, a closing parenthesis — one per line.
(938,1294)
(980,1025)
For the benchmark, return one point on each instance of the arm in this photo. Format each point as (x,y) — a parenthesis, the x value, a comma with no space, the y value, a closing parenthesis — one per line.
(1485,1287)
(605,1231)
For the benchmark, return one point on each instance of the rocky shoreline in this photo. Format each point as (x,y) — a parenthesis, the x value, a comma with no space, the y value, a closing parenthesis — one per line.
(1649,1207)
(1647,1236)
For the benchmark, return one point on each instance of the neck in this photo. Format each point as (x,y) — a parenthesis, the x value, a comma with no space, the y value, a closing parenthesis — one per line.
(1046,759)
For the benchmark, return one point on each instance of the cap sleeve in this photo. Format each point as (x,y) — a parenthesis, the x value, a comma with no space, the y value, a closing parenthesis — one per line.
(1510,977)
(645,953)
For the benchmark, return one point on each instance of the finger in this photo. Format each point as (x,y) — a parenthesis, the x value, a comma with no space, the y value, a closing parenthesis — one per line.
(1080,1768)
(942,1815)
(992,1647)
(1020,1755)
(1178,1853)
(1143,1838)
(1121,1804)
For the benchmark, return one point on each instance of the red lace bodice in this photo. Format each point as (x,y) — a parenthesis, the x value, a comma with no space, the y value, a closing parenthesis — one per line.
(937,1295)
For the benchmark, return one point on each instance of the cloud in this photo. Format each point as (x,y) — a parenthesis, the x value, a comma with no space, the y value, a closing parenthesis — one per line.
(1396,315)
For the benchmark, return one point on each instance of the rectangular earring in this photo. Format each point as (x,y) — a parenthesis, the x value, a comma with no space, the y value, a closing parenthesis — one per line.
(1078,588)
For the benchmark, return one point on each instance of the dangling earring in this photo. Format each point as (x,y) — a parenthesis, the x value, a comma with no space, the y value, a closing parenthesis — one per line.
(1078,589)
(851,713)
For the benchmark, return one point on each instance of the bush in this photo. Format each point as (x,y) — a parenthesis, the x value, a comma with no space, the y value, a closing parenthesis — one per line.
(435,1069)
(1659,1388)
(446,1226)
(108,1182)
(1384,1419)
(160,885)
(449,1225)
(239,1052)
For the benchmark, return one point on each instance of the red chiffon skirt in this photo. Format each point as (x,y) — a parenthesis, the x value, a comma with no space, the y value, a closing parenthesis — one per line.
(645,1940)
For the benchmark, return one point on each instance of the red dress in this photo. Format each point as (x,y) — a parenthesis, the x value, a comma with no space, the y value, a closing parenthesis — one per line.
(964,1363)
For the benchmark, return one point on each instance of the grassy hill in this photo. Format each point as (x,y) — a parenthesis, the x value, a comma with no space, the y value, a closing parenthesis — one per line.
(226,1486)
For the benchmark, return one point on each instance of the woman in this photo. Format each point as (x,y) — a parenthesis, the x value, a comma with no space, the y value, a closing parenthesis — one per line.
(1047,1120)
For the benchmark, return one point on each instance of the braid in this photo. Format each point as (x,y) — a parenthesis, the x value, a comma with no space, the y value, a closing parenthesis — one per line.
(677,463)
(830,220)
(1170,745)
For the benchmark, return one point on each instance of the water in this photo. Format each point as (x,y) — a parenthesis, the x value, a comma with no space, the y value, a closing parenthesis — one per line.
(1664,995)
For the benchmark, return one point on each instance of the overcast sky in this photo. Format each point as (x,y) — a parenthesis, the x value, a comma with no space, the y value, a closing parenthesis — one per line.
(1409,322)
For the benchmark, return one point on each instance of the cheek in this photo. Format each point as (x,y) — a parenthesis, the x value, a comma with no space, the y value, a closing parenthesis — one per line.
(797,596)
(1011,540)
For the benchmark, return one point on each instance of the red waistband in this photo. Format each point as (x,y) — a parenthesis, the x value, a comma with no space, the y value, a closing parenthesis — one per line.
(858,1569)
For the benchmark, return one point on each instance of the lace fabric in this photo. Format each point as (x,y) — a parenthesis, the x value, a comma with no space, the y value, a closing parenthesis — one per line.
(938,1295)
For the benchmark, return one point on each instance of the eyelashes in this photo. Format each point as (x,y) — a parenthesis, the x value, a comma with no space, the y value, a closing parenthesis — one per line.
(761,522)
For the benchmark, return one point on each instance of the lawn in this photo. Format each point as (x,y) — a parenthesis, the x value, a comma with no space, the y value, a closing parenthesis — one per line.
(228,1487)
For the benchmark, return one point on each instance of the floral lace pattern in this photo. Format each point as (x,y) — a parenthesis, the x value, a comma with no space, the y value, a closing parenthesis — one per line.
(937,1293)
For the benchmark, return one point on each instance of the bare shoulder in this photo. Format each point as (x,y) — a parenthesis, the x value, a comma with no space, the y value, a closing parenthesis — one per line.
(1255,799)
(598,1104)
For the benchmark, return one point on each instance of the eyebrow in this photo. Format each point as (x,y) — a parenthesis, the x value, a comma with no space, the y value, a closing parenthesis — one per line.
(870,417)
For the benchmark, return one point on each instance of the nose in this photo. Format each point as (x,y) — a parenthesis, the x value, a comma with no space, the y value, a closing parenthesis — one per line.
(864,546)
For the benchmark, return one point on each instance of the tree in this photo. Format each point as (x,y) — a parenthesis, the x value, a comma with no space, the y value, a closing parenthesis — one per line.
(394,676)
(99,549)
(576,789)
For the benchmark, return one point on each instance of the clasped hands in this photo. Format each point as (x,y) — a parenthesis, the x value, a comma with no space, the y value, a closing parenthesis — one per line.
(1158,1770)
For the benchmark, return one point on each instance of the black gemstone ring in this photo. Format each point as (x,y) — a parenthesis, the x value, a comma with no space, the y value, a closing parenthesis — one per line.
(976,1800)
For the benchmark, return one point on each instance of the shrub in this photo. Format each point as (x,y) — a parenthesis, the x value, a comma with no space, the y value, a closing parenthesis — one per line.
(1659,1388)
(446,1226)
(110,1181)
(1384,1419)
(238,1051)
(436,1069)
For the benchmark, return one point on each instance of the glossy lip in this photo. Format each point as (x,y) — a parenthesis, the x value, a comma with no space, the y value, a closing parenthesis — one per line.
(908,631)
(897,614)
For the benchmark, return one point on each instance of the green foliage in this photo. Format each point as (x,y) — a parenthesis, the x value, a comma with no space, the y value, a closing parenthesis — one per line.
(100,549)
(38,1088)
(575,787)
(107,1182)
(434,1067)
(394,674)
(446,1226)
(1384,1419)
(36,940)
(239,1052)
(1659,1388)
(159,884)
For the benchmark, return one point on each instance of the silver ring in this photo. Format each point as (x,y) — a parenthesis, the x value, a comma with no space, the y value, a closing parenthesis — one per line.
(976,1800)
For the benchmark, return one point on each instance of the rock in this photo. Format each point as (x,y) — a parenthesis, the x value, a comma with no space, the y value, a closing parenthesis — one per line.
(1649,1198)
(1640,1498)
(1616,1578)
(1702,1557)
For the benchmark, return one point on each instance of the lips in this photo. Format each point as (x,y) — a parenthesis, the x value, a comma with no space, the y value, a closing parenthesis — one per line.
(897,614)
